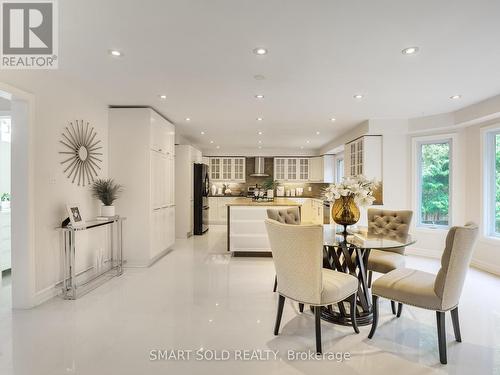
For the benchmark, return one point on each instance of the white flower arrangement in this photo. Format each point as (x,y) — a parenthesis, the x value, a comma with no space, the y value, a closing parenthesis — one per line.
(358,186)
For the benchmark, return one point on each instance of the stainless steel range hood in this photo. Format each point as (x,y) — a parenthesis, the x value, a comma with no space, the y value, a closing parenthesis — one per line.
(259,170)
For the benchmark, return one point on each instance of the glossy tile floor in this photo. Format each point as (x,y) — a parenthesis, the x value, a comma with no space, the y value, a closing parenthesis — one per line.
(198,297)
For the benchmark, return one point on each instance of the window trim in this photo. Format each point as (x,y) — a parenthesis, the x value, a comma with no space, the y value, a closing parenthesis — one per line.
(417,142)
(336,159)
(488,145)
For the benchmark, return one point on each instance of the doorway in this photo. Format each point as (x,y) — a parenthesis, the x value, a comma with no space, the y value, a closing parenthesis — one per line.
(18,127)
(5,193)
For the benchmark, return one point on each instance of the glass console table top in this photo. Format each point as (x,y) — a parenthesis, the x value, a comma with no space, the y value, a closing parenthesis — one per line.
(363,238)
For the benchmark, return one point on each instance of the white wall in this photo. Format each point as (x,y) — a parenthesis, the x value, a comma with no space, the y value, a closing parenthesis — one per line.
(55,105)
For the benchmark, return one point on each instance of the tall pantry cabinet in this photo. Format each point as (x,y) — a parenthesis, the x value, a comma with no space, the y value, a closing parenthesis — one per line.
(142,159)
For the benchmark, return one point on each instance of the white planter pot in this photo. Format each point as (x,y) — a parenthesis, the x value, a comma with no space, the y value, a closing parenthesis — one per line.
(5,205)
(108,211)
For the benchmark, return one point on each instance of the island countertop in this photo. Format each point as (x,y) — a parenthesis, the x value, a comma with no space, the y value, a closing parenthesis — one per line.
(275,202)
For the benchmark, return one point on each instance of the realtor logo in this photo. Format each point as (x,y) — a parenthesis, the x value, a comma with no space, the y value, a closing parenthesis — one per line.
(29,34)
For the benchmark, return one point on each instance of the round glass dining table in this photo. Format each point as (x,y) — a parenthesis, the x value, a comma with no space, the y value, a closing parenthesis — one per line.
(350,254)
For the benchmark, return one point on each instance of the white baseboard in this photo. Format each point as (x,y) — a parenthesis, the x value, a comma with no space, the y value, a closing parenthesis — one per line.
(45,294)
(487,267)
(146,264)
(480,265)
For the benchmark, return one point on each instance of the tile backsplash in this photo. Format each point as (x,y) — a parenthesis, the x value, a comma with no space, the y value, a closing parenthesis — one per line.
(316,189)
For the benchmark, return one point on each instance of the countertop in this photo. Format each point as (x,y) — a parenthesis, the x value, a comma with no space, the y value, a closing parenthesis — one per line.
(275,197)
(276,202)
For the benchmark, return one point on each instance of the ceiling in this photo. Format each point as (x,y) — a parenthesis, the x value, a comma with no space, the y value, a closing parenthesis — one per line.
(321,53)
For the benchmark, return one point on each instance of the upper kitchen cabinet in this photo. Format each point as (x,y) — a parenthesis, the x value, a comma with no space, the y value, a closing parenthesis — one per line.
(291,169)
(162,134)
(364,156)
(230,169)
(322,169)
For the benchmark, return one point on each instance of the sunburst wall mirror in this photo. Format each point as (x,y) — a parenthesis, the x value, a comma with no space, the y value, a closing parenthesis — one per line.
(83,149)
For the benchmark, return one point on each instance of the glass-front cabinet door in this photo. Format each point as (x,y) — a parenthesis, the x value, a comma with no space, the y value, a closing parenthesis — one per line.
(239,169)
(215,169)
(279,169)
(291,169)
(303,169)
(227,168)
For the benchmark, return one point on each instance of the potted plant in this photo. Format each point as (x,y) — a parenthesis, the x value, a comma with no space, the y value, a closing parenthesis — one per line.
(347,195)
(5,198)
(269,185)
(107,191)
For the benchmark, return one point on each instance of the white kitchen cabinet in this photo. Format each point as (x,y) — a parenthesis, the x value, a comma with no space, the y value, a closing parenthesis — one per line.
(142,159)
(217,214)
(227,169)
(322,169)
(364,156)
(215,169)
(291,169)
(185,158)
(317,211)
(212,212)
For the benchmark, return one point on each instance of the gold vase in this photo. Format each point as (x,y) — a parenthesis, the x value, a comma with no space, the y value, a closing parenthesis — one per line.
(345,212)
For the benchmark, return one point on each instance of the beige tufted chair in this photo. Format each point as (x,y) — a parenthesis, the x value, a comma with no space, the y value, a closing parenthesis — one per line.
(387,222)
(298,258)
(285,216)
(439,292)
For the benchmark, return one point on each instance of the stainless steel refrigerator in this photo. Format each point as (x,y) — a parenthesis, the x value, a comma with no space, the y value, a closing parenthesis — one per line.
(201,190)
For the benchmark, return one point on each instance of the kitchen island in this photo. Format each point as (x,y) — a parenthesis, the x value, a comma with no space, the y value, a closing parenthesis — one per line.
(246,231)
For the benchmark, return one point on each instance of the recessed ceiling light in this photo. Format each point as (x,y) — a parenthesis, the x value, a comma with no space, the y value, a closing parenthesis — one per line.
(115,53)
(455,96)
(333,119)
(259,77)
(317,133)
(260,51)
(260,141)
(260,146)
(211,141)
(217,147)
(260,133)
(410,51)
(259,96)
(358,96)
(188,119)
(259,119)
(163,97)
(202,133)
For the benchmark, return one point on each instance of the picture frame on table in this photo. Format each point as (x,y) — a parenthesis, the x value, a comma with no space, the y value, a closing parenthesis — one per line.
(75,215)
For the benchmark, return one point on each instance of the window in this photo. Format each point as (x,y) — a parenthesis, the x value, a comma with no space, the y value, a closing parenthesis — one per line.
(339,169)
(492,202)
(5,129)
(434,166)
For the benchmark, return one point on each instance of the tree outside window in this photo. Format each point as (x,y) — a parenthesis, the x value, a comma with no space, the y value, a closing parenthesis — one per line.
(435,183)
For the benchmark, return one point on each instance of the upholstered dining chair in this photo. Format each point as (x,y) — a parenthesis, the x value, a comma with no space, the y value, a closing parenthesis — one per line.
(298,258)
(387,222)
(289,215)
(439,292)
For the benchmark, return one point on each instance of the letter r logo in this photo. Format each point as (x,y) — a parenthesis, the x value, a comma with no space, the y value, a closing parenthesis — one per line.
(27,28)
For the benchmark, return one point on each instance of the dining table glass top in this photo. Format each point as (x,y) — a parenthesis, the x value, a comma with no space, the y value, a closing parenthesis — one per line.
(363,238)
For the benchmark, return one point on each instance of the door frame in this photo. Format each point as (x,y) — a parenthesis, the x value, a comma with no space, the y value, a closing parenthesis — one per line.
(23,198)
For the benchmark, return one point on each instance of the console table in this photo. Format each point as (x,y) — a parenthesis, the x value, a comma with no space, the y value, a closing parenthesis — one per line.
(113,266)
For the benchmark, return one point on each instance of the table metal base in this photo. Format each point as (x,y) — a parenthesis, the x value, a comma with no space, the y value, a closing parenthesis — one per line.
(352,260)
